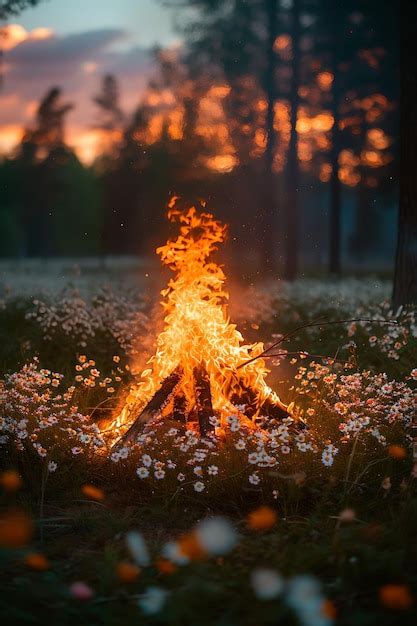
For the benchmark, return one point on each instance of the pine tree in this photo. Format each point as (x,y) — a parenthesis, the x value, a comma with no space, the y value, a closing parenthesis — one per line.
(108,101)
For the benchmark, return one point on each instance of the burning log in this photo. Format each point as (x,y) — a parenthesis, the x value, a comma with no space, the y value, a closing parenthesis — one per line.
(179,410)
(204,407)
(249,397)
(156,403)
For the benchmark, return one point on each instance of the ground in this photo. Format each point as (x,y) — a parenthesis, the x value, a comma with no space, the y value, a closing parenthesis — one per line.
(330,516)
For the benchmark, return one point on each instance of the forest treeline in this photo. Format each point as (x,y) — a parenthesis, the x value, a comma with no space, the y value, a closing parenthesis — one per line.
(281,114)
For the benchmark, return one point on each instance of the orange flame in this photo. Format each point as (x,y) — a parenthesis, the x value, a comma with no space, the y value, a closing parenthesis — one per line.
(197,331)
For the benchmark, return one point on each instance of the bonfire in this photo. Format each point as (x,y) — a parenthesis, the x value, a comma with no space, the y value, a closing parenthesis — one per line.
(201,371)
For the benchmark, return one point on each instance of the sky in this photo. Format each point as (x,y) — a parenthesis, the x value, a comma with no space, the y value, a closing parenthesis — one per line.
(146,21)
(72,44)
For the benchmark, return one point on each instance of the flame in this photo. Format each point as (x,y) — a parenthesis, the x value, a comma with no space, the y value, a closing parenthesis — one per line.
(197,331)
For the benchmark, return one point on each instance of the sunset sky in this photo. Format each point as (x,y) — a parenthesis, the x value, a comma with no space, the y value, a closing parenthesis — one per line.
(72,45)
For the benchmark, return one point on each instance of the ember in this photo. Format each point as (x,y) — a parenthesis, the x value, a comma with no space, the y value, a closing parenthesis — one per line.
(201,371)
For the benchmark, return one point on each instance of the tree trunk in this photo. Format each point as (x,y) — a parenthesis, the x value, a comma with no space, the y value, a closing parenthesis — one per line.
(269,209)
(335,186)
(366,227)
(405,277)
(291,208)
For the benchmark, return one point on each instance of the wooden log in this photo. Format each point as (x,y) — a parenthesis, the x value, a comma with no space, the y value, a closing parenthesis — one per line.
(179,411)
(154,405)
(274,411)
(267,408)
(204,406)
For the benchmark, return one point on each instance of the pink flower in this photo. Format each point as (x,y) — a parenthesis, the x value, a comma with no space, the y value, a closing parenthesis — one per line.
(81,591)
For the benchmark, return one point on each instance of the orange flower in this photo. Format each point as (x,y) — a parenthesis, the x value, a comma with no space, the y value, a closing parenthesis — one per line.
(127,572)
(16,529)
(165,566)
(396,597)
(397,452)
(329,609)
(190,547)
(37,561)
(263,518)
(11,480)
(93,492)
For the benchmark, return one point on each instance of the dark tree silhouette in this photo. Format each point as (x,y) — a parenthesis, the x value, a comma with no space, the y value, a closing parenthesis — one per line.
(292,173)
(48,132)
(268,258)
(108,101)
(14,7)
(405,278)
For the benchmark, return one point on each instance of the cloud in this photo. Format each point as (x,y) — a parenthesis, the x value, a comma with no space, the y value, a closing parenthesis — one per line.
(31,57)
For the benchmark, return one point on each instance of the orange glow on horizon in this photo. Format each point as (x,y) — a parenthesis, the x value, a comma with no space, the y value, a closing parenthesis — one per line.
(10,137)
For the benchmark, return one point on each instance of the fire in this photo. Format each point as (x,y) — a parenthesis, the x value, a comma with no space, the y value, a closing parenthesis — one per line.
(197,334)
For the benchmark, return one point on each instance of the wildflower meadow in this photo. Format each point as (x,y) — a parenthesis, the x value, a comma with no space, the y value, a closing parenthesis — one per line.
(247,525)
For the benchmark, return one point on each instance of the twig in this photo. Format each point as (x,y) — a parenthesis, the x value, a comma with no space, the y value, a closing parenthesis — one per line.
(307,354)
(312,325)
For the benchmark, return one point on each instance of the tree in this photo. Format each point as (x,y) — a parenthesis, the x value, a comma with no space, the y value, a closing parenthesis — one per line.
(108,101)
(14,7)
(234,41)
(270,198)
(48,132)
(292,173)
(405,277)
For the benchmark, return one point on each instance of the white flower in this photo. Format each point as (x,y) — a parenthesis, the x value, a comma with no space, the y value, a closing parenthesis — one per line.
(198,470)
(52,466)
(212,470)
(146,460)
(173,552)
(181,477)
(199,486)
(153,600)
(216,535)
(76,450)
(304,596)
(253,458)
(137,548)
(159,474)
(267,583)
(254,479)
(240,444)
(328,455)
(142,472)
(124,452)
(171,464)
